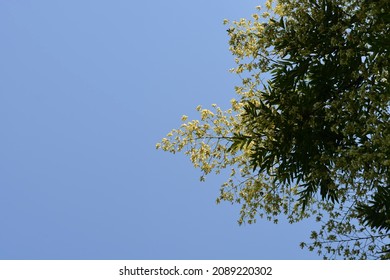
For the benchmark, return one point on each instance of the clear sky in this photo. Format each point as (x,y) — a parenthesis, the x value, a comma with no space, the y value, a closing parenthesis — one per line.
(87,88)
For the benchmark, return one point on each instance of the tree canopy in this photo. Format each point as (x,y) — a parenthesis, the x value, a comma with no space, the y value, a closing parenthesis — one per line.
(308,134)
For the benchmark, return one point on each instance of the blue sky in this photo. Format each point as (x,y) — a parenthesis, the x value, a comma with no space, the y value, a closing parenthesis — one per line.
(87,88)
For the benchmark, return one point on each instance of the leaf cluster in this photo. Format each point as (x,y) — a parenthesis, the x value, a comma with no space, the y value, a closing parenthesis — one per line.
(310,134)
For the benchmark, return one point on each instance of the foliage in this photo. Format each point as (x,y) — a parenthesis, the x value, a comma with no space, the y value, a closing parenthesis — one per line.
(309,133)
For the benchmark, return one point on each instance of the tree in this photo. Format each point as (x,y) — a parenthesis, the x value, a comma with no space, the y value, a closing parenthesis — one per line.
(309,133)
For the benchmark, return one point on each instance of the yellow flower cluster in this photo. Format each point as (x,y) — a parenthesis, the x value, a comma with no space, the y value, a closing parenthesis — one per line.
(206,141)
